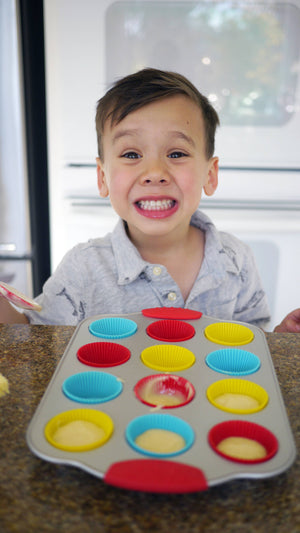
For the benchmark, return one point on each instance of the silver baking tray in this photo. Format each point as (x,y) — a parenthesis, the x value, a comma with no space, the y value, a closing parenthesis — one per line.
(200,466)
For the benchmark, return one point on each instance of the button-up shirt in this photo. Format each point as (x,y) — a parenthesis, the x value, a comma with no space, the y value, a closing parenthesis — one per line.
(109,276)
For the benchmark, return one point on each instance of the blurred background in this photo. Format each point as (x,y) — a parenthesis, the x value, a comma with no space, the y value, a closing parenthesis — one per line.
(58,57)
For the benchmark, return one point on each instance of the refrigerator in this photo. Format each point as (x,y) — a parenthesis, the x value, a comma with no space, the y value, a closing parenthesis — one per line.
(24,216)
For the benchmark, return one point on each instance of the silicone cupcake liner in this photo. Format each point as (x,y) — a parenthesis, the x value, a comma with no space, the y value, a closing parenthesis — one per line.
(229,333)
(103,354)
(245,429)
(166,391)
(113,328)
(233,361)
(159,421)
(97,418)
(92,387)
(170,330)
(167,358)
(239,387)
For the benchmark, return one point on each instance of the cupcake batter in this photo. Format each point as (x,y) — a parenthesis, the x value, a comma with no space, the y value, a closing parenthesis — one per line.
(242,448)
(166,397)
(78,433)
(241,402)
(160,441)
(165,400)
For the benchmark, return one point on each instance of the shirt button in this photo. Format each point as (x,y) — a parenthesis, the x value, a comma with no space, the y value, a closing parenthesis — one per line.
(156,271)
(172,296)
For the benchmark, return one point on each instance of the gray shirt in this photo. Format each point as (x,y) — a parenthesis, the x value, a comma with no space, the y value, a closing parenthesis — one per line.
(108,276)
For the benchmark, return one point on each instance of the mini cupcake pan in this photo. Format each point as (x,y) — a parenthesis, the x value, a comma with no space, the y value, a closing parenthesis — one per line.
(172,370)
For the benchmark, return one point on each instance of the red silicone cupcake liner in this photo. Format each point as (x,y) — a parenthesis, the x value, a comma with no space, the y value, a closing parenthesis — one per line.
(249,430)
(103,354)
(170,330)
(164,387)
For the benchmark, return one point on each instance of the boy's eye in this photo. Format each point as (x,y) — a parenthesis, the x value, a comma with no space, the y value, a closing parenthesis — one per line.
(131,155)
(177,154)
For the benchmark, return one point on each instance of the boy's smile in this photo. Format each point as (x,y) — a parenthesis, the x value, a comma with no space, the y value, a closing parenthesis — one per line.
(154,168)
(154,207)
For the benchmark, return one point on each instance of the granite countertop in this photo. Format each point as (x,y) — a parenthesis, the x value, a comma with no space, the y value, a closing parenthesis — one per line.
(36,495)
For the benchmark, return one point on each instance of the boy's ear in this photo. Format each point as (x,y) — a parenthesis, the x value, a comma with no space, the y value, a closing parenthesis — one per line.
(101,180)
(212,177)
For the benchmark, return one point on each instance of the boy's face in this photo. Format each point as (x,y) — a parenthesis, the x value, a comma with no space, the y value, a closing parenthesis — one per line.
(154,167)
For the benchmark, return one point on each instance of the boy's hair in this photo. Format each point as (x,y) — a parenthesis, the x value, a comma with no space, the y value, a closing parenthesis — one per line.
(146,86)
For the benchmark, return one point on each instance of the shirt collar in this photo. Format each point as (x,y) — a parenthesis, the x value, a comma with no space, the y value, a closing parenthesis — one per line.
(217,258)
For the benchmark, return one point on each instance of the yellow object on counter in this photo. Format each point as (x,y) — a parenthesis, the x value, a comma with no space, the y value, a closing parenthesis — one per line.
(4,387)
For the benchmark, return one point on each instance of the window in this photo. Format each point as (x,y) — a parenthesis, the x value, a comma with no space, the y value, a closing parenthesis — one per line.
(243,55)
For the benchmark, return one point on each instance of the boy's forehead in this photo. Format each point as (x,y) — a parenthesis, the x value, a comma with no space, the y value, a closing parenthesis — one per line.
(168,104)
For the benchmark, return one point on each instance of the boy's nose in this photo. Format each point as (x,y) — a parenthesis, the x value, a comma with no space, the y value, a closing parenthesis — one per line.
(155,175)
(154,180)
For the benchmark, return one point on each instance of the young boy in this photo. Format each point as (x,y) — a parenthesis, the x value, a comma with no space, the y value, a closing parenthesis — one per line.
(156,155)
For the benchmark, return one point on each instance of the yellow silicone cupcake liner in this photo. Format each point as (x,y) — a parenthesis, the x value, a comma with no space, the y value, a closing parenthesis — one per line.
(101,422)
(229,333)
(237,390)
(167,358)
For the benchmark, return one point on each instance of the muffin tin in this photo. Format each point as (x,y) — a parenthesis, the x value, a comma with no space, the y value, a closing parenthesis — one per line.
(166,369)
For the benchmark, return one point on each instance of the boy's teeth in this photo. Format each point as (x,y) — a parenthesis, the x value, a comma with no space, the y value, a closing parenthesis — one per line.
(157,205)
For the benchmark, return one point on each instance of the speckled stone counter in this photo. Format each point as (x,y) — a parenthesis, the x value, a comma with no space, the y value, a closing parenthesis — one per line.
(36,495)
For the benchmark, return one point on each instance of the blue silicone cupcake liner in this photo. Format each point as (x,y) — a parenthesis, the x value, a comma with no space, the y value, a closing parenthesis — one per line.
(233,361)
(92,387)
(113,328)
(159,421)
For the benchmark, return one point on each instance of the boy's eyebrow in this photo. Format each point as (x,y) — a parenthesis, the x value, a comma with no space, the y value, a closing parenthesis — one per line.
(132,132)
(124,133)
(183,136)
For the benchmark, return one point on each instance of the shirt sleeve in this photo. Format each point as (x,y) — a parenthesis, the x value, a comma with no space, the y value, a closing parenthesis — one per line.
(62,299)
(251,305)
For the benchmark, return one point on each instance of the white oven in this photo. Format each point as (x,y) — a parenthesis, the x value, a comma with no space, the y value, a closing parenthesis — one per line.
(244,55)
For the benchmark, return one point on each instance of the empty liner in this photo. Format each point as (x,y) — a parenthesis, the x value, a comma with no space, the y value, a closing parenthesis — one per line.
(103,354)
(92,387)
(113,328)
(163,390)
(233,361)
(229,333)
(167,358)
(80,438)
(244,429)
(237,391)
(159,421)
(170,330)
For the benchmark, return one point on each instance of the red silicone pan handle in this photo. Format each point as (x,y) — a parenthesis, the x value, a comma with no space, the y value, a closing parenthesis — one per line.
(156,475)
(178,313)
